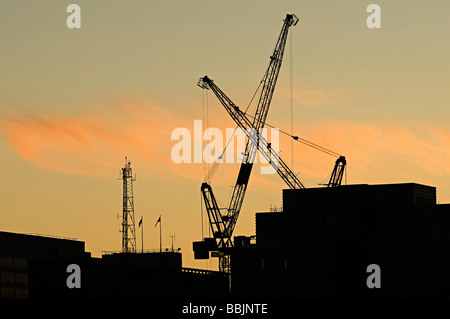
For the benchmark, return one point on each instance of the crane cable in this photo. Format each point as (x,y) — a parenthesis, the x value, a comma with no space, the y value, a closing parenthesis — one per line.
(306,142)
(291,78)
(215,166)
(213,170)
(203,121)
(201,214)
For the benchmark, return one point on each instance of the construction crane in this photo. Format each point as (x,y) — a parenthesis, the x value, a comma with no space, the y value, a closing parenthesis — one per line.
(243,121)
(222,225)
(338,172)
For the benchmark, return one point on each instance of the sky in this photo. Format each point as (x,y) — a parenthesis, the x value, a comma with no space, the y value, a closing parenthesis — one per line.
(75,102)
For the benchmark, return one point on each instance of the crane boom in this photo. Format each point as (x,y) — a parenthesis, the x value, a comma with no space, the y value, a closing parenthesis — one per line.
(269,81)
(270,77)
(243,121)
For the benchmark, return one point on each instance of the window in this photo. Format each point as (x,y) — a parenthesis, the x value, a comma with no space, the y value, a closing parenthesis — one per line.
(6,261)
(20,262)
(6,293)
(21,293)
(22,279)
(6,277)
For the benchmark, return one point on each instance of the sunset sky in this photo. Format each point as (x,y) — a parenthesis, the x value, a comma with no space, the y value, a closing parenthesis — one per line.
(75,102)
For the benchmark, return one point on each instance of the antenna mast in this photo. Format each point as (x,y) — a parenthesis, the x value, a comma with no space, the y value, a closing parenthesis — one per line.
(128,224)
(173,237)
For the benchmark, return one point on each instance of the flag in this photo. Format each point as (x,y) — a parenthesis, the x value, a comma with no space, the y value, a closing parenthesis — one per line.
(159,220)
(140,222)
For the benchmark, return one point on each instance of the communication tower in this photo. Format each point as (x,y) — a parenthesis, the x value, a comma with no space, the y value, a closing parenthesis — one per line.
(128,224)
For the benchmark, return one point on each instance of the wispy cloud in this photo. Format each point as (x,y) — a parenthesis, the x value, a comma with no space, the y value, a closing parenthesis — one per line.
(94,143)
(378,152)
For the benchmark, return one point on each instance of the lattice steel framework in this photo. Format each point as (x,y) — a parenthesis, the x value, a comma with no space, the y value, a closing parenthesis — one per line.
(128,223)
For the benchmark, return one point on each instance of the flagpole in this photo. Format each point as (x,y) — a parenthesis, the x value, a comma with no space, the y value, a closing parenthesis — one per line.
(160,238)
(142,236)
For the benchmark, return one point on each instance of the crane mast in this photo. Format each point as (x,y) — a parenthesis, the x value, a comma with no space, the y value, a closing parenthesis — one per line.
(223,225)
(269,81)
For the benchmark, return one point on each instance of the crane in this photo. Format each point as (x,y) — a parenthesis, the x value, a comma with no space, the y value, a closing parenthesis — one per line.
(223,220)
(244,123)
(222,225)
(338,172)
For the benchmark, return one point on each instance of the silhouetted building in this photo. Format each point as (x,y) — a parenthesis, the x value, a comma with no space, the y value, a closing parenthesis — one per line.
(36,267)
(322,242)
(16,252)
(149,276)
(167,259)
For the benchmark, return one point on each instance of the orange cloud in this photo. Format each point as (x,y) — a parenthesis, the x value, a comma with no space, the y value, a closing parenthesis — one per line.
(95,142)
(378,152)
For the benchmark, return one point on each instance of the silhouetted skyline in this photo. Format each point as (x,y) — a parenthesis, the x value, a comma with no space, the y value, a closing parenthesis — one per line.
(75,102)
